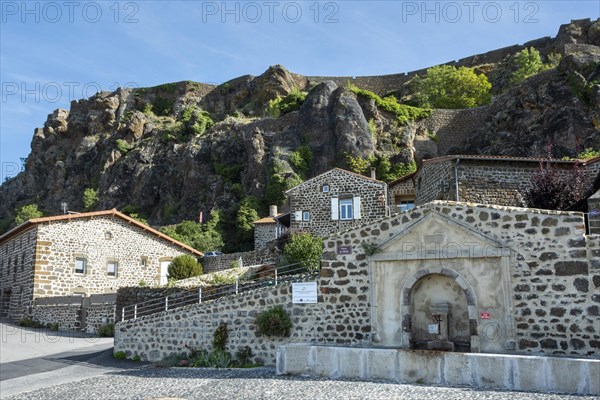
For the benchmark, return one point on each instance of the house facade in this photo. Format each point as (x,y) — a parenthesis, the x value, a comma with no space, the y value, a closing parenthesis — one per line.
(480,179)
(88,253)
(336,200)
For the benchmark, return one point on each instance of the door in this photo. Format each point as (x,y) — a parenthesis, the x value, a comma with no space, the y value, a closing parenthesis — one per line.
(164,271)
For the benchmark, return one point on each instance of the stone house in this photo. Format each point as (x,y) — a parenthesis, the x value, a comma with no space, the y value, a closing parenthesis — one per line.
(332,201)
(87,254)
(479,179)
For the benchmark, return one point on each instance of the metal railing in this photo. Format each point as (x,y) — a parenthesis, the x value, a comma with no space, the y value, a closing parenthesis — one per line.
(289,273)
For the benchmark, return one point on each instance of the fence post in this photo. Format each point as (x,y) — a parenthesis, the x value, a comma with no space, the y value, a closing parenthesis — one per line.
(237,283)
(199,295)
(123,314)
(275,276)
(135,311)
(167,303)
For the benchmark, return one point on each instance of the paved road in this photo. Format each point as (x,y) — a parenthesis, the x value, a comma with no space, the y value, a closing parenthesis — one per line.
(151,383)
(37,358)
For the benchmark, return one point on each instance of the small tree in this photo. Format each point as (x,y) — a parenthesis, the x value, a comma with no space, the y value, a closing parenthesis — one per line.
(183,267)
(305,249)
(90,198)
(552,190)
(244,219)
(446,86)
(26,213)
(529,63)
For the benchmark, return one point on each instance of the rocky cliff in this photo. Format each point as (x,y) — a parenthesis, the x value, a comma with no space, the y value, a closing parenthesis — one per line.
(175,150)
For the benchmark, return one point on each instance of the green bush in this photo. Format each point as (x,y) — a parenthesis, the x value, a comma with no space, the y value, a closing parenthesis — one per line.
(403,112)
(119,355)
(301,160)
(107,330)
(220,337)
(283,105)
(244,220)
(54,327)
(90,198)
(172,360)
(243,355)
(273,322)
(305,249)
(162,106)
(446,86)
(184,266)
(137,358)
(122,146)
(30,323)
(385,170)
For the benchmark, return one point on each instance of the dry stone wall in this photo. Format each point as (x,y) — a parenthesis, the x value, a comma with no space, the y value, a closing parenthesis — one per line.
(267,255)
(68,317)
(264,233)
(553,301)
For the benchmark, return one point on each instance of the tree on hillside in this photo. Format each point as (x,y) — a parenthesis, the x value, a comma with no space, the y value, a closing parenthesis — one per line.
(26,213)
(202,237)
(244,221)
(446,86)
(529,63)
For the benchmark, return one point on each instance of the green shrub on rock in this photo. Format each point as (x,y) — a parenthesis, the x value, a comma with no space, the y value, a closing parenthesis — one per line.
(273,322)
(183,267)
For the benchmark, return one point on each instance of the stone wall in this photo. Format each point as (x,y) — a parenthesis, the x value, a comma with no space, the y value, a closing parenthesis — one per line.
(17,255)
(128,296)
(404,189)
(310,197)
(264,233)
(68,317)
(384,84)
(454,127)
(75,312)
(533,273)
(434,182)
(98,240)
(268,255)
(156,336)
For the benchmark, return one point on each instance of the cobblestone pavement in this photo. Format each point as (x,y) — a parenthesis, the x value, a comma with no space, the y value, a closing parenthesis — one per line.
(149,383)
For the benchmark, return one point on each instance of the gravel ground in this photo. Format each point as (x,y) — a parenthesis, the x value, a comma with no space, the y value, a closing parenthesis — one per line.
(149,383)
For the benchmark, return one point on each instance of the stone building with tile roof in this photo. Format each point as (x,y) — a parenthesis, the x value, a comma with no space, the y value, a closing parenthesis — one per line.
(87,253)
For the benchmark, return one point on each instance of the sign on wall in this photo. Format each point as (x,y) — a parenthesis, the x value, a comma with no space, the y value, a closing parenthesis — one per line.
(304,292)
(342,250)
(485,315)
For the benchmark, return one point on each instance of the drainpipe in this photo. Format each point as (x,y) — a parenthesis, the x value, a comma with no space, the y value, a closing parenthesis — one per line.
(456,178)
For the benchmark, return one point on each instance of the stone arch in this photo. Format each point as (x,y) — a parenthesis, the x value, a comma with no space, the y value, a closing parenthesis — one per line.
(407,294)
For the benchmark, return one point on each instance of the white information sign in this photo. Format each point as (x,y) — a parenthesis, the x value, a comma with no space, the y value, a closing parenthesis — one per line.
(304,292)
(433,329)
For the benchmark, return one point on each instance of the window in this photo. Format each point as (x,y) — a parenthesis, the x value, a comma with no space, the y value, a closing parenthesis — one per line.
(111,268)
(80,265)
(404,202)
(406,205)
(326,188)
(144,262)
(108,235)
(306,216)
(346,209)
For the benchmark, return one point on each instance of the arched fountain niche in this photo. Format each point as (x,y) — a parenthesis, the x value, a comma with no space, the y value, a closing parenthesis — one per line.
(439,314)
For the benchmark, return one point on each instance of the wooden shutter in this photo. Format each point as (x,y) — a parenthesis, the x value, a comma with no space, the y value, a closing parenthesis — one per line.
(356,205)
(335,209)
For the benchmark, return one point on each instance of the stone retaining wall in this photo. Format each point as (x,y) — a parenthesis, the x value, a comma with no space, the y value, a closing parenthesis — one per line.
(550,296)
(68,317)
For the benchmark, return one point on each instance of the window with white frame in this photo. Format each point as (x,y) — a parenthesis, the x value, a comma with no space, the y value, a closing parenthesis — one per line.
(326,188)
(112,268)
(345,208)
(80,265)
(144,262)
(305,215)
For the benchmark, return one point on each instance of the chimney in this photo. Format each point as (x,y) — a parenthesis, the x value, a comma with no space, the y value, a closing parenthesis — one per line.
(373,175)
(272,211)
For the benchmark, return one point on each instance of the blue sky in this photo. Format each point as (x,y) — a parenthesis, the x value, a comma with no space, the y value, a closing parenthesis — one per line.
(55,51)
